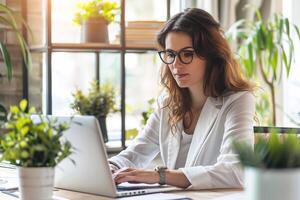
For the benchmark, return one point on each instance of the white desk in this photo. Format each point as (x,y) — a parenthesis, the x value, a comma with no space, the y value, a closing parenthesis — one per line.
(199,195)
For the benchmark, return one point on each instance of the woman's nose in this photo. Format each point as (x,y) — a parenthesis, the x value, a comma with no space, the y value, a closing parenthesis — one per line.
(177,63)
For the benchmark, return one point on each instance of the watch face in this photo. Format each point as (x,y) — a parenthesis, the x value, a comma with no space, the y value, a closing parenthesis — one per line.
(159,168)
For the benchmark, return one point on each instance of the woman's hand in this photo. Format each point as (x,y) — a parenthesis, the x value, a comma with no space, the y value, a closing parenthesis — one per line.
(132,175)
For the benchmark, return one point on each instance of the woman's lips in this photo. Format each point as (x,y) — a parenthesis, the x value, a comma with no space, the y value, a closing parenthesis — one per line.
(180,76)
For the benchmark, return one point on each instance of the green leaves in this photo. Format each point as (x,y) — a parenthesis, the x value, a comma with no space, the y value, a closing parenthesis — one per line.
(10,19)
(3,114)
(274,152)
(6,59)
(98,102)
(29,143)
(23,105)
(269,40)
(265,49)
(146,114)
(96,8)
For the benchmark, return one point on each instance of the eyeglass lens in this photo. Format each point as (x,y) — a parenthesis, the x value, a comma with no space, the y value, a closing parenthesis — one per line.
(185,56)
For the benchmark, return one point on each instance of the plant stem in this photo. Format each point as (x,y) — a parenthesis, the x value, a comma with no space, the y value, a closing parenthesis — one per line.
(273,103)
(271,87)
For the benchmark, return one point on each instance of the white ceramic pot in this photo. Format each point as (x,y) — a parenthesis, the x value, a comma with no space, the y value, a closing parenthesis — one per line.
(36,183)
(272,184)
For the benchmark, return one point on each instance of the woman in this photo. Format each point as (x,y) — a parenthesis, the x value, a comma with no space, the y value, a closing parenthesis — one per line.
(208,104)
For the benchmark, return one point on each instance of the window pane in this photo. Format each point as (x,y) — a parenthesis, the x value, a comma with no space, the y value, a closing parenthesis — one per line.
(35,82)
(110,71)
(142,84)
(70,71)
(63,28)
(146,10)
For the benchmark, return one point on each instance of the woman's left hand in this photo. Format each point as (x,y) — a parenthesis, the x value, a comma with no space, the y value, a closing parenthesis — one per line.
(132,175)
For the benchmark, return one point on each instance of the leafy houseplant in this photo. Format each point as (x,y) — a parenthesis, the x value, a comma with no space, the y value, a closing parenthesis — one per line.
(133,132)
(146,114)
(36,148)
(94,16)
(265,48)
(273,168)
(99,102)
(10,20)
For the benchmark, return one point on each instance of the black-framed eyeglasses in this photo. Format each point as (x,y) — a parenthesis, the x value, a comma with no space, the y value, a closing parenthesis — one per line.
(185,55)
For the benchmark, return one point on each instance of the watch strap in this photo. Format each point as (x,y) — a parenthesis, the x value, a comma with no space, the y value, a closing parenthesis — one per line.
(162,174)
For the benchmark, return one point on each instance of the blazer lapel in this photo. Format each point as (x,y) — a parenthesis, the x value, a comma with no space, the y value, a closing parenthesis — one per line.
(173,146)
(204,124)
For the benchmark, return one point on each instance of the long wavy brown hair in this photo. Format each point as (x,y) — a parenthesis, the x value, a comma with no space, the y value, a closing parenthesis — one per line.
(222,73)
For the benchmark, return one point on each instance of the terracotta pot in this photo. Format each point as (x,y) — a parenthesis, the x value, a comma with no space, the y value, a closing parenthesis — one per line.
(94,30)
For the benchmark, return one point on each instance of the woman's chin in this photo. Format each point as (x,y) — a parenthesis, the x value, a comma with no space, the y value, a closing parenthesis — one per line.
(182,85)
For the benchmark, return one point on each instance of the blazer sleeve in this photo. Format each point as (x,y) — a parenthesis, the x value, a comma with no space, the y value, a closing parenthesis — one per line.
(227,171)
(143,149)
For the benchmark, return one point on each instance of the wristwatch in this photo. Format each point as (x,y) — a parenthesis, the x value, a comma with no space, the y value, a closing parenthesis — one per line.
(162,174)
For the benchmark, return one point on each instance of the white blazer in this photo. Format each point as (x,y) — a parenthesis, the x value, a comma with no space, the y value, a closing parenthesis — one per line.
(211,161)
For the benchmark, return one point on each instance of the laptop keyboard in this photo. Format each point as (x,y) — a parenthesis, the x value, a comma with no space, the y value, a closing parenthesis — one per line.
(128,188)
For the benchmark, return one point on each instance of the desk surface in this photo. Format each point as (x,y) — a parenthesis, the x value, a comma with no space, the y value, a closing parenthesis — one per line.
(202,194)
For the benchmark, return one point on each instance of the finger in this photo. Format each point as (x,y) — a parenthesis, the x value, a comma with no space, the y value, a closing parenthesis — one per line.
(125,169)
(127,179)
(119,175)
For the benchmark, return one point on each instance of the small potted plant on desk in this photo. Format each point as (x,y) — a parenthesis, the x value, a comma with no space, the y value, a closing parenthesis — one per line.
(99,102)
(35,147)
(272,170)
(94,17)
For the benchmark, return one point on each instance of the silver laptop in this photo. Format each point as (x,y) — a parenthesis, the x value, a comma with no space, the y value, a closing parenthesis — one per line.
(92,174)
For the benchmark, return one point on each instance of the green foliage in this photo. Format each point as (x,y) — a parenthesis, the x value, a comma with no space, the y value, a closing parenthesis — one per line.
(262,108)
(275,152)
(267,41)
(33,144)
(3,114)
(98,102)
(147,112)
(11,20)
(265,48)
(94,9)
(131,133)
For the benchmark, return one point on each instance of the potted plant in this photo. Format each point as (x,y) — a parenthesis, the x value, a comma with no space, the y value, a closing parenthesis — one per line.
(146,114)
(272,170)
(94,17)
(35,148)
(265,49)
(99,102)
(10,20)
(133,132)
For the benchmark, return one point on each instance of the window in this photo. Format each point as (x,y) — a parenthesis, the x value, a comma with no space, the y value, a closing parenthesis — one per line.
(66,64)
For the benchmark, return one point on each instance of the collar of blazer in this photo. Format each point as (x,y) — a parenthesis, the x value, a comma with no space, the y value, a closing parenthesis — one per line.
(204,124)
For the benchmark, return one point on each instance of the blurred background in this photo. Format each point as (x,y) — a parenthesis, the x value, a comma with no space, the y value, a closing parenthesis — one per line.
(63,62)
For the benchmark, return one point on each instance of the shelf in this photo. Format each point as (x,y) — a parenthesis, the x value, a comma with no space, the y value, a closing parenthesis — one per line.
(92,47)
(141,47)
(84,46)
